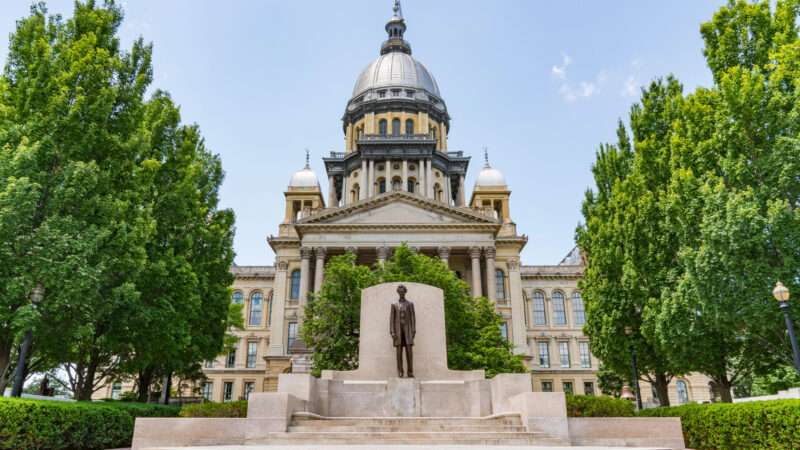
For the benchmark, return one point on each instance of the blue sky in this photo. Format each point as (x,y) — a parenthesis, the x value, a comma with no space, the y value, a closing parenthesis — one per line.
(540,83)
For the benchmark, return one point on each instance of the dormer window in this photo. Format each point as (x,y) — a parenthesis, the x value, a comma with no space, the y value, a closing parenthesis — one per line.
(382,94)
(395,92)
(409,93)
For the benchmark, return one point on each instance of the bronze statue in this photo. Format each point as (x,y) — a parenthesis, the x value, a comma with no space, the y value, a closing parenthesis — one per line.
(403,328)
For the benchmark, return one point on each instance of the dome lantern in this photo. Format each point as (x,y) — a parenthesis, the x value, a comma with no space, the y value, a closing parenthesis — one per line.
(305,178)
(489,177)
(396,28)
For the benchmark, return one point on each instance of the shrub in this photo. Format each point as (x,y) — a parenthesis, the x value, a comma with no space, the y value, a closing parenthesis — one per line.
(212,409)
(36,424)
(764,424)
(598,406)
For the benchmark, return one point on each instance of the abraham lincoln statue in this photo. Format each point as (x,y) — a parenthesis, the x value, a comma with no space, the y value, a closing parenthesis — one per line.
(403,328)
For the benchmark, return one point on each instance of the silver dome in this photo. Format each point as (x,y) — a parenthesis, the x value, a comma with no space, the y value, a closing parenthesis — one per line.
(305,178)
(396,69)
(490,177)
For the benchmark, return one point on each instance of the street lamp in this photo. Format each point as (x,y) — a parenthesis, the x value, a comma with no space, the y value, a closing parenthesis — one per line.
(634,369)
(781,294)
(19,375)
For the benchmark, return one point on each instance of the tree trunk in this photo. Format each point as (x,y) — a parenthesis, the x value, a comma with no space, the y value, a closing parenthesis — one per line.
(86,387)
(166,384)
(662,388)
(724,385)
(5,364)
(145,380)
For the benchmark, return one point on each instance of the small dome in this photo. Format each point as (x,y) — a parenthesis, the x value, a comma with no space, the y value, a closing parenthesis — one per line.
(489,176)
(305,178)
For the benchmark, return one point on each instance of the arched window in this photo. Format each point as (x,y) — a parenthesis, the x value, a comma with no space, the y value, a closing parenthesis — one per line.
(577,309)
(437,192)
(354,194)
(559,309)
(294,293)
(382,127)
(500,284)
(409,127)
(683,392)
(395,127)
(412,182)
(382,185)
(237,298)
(539,314)
(256,309)
(397,184)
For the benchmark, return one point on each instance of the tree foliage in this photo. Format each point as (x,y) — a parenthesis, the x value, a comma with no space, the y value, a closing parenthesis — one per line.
(106,202)
(704,219)
(472,325)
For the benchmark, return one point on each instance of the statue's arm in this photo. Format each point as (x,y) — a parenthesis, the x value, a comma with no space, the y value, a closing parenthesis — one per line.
(413,321)
(392,318)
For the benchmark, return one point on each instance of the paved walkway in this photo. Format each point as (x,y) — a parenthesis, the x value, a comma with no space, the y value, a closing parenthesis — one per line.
(396,447)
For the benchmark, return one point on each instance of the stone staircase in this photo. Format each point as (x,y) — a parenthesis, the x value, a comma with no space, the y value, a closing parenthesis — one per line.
(506,429)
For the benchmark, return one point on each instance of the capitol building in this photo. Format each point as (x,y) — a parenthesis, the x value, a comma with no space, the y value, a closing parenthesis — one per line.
(396,181)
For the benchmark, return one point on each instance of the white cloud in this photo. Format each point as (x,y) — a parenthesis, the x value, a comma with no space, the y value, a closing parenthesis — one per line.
(561,71)
(631,87)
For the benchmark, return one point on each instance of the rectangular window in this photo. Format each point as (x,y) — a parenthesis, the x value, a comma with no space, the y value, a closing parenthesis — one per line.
(227,391)
(116,391)
(544,354)
(588,388)
(578,309)
(291,336)
(249,387)
(547,386)
(209,364)
(256,309)
(504,330)
(500,285)
(586,355)
(563,353)
(208,391)
(230,361)
(568,389)
(539,315)
(252,352)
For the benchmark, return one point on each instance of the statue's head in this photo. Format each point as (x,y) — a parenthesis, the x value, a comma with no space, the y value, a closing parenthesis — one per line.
(402,290)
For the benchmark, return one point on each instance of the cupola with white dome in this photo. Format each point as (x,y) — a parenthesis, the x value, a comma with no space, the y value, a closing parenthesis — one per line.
(489,176)
(304,178)
(491,194)
(303,195)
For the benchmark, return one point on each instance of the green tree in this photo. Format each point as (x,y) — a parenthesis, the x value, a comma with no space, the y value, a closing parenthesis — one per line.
(472,325)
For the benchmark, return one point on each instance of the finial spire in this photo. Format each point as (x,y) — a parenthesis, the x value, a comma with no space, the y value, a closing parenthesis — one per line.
(398,9)
(486,157)
(308,159)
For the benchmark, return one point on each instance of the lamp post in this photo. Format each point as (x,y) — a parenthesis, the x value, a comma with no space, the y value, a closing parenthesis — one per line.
(25,347)
(781,294)
(634,369)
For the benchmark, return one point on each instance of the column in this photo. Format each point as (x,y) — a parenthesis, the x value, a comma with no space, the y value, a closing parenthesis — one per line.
(444,255)
(388,175)
(475,255)
(331,191)
(277,338)
(383,254)
(404,175)
(490,253)
(461,199)
(345,189)
(319,269)
(447,196)
(429,178)
(363,191)
(421,177)
(518,310)
(371,177)
(305,267)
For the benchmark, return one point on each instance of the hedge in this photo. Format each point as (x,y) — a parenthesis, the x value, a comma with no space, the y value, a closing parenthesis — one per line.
(598,406)
(761,424)
(37,424)
(211,409)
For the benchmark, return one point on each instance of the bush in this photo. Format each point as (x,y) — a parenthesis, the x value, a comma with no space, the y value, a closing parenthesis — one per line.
(766,424)
(37,424)
(600,406)
(212,409)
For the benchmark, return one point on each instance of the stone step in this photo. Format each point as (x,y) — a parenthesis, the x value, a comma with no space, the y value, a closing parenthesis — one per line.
(436,422)
(311,426)
(411,438)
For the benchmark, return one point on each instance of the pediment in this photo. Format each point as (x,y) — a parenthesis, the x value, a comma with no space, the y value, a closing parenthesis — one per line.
(397,209)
